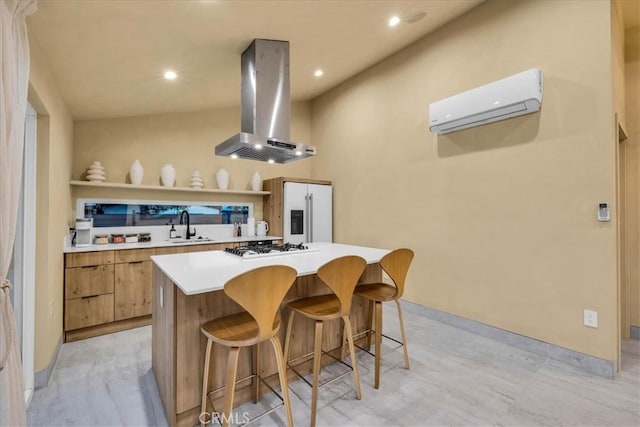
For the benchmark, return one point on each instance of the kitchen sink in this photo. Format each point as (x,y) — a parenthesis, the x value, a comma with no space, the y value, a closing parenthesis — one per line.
(193,240)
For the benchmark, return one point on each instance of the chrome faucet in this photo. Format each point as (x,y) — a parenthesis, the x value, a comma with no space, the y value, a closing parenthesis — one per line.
(188,233)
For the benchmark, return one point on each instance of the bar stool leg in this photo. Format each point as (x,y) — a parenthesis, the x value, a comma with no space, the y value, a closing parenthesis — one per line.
(205,382)
(282,373)
(354,360)
(255,362)
(378,338)
(232,370)
(404,338)
(369,325)
(287,339)
(317,358)
(343,350)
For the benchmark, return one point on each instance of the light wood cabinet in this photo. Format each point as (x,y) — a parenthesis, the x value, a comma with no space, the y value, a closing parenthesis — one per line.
(88,289)
(132,289)
(88,281)
(83,259)
(88,311)
(109,291)
(106,291)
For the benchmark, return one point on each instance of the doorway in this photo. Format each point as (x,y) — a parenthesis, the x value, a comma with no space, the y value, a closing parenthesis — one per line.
(22,269)
(623,241)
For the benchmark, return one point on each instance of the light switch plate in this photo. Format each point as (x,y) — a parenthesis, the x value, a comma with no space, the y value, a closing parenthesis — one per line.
(591,318)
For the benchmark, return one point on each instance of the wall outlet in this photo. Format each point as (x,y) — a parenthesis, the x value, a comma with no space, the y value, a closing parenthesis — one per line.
(51,310)
(591,318)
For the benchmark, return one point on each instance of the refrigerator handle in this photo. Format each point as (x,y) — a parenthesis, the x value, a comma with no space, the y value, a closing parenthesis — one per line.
(310,217)
(306,219)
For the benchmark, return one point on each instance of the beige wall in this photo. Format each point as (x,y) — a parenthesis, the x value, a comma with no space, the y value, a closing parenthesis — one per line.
(618,61)
(187,141)
(501,217)
(632,82)
(55,133)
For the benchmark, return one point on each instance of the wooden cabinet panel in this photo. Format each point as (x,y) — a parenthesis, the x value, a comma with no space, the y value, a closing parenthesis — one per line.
(81,259)
(273,204)
(88,311)
(134,255)
(183,249)
(132,290)
(88,281)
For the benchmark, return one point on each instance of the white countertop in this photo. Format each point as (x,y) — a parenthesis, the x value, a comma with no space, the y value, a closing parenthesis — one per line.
(199,272)
(165,243)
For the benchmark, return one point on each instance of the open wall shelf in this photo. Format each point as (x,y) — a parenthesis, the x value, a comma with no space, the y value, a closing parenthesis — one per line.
(161,188)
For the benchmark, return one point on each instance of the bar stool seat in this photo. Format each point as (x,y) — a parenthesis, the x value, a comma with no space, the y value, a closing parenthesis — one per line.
(260,292)
(377,292)
(321,307)
(236,329)
(341,276)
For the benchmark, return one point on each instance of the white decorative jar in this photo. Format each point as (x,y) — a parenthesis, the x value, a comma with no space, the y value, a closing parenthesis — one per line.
(168,175)
(136,172)
(222,176)
(256,182)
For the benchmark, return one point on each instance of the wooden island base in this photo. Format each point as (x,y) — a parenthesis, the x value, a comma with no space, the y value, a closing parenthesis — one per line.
(179,346)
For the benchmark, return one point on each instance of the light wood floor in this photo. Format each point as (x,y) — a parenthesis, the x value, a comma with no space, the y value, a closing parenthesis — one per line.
(457,378)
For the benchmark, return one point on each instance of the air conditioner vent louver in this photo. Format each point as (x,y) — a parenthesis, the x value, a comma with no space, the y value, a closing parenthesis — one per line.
(510,97)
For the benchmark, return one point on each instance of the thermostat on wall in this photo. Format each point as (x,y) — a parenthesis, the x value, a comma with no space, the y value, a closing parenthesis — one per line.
(604,213)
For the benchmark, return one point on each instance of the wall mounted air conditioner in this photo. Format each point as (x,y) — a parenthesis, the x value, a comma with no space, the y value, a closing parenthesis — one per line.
(510,97)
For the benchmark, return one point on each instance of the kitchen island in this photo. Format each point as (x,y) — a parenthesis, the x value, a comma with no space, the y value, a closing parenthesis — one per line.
(187,292)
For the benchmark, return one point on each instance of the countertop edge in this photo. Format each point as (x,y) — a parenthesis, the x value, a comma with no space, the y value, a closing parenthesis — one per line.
(162,244)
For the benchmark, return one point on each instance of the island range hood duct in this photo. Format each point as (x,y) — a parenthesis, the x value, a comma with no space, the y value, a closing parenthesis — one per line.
(266,108)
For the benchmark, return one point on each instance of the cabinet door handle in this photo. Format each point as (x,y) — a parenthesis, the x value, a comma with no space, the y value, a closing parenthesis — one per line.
(90,296)
(136,262)
(91,266)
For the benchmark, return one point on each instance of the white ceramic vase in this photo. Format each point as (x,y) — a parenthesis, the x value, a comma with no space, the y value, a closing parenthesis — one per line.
(222,176)
(256,182)
(168,175)
(136,172)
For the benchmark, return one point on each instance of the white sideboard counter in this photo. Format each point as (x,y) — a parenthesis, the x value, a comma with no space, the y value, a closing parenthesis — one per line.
(199,272)
(165,243)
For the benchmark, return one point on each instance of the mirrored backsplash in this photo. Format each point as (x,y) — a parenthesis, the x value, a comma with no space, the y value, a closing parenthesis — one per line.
(129,213)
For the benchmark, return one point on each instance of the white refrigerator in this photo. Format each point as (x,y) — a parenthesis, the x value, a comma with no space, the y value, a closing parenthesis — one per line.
(307,213)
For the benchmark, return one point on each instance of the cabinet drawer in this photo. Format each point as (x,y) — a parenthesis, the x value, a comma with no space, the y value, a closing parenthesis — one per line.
(132,290)
(88,258)
(134,255)
(88,281)
(88,311)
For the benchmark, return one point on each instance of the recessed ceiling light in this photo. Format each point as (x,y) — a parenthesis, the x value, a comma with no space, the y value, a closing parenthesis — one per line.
(394,21)
(318,73)
(170,75)
(271,161)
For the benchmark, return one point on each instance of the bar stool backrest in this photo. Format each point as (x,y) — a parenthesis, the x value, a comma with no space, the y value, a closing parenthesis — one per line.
(260,292)
(341,275)
(396,264)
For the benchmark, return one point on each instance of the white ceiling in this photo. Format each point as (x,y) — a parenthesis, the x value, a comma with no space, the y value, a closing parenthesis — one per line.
(108,57)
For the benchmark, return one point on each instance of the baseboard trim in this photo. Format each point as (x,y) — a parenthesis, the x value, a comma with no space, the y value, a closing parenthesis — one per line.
(635,333)
(584,362)
(41,378)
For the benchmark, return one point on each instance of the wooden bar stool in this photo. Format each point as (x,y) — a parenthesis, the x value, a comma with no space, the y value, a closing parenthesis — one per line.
(396,264)
(341,276)
(260,292)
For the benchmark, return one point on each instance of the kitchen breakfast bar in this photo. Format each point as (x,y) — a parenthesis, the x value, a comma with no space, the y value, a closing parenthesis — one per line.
(188,292)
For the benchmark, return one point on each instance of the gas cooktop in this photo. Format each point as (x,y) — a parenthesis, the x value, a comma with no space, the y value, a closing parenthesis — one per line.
(258,251)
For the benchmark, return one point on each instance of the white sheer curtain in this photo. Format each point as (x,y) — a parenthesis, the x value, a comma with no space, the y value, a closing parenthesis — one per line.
(14,83)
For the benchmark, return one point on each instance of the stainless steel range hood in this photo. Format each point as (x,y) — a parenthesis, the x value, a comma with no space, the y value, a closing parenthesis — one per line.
(266,108)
